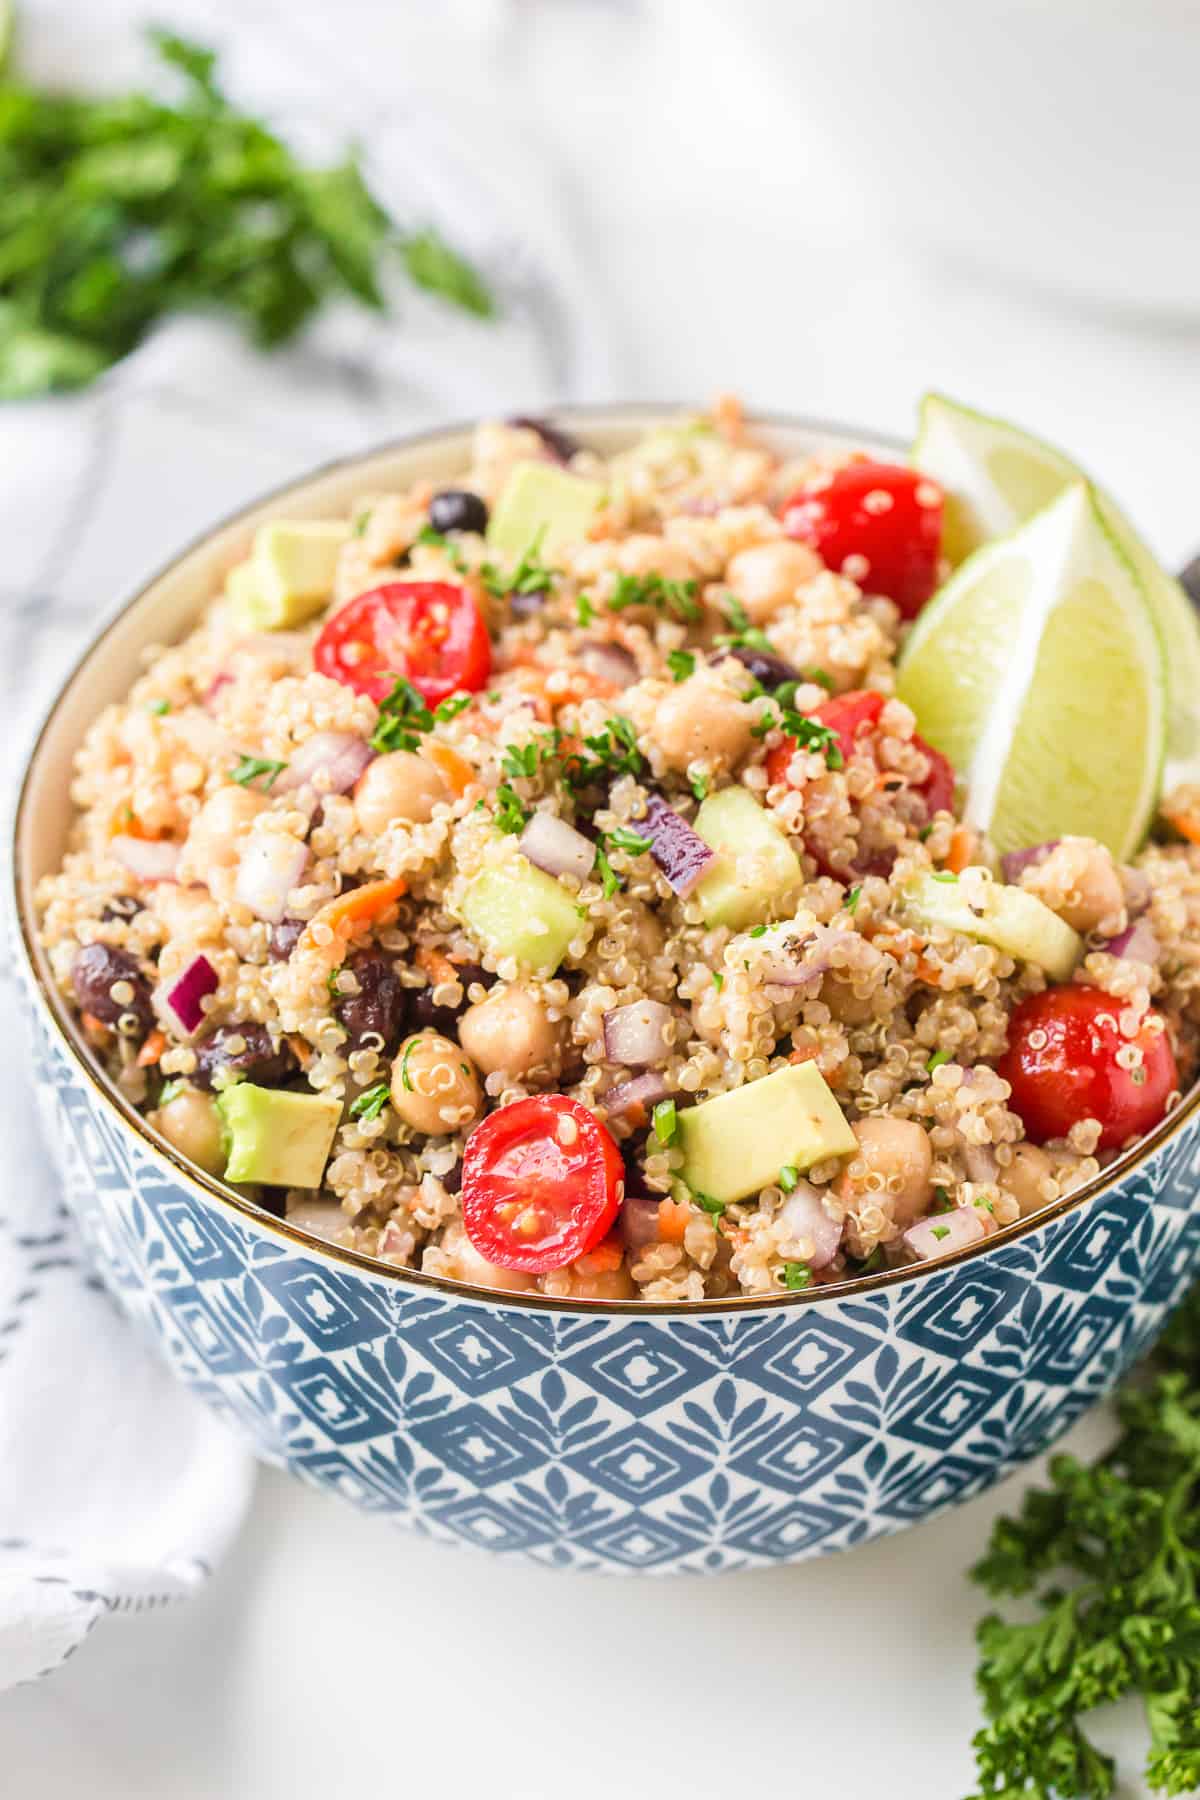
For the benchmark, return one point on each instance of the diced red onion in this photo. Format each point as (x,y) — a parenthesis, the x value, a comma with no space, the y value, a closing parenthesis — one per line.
(215,685)
(639,1221)
(981,1163)
(331,760)
(609,661)
(270,866)
(634,1096)
(639,1035)
(1015,862)
(681,853)
(556,847)
(150,859)
(805,1217)
(1138,891)
(322,1218)
(184,995)
(782,961)
(1137,943)
(944,1232)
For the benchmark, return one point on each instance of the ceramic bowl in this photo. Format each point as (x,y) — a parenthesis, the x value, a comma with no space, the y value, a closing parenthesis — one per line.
(624,1437)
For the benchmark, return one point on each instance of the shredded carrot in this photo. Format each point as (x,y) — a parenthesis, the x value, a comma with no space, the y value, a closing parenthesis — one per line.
(673,1216)
(962,843)
(927,972)
(727,417)
(96,1026)
(605,1259)
(125,823)
(361,906)
(805,1054)
(455,769)
(151,1050)
(301,1049)
(1185,823)
(439,968)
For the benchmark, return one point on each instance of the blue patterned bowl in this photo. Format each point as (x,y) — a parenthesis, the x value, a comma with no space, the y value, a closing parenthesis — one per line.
(626,1438)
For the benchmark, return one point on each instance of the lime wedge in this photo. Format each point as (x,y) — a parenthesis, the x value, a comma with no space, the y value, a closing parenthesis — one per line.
(996,477)
(1039,672)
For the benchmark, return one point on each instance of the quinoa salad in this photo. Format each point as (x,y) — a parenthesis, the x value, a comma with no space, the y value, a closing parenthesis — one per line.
(537,882)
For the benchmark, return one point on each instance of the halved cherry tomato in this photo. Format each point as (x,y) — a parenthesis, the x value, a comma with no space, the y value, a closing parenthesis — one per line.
(542,1181)
(848,716)
(431,632)
(878,523)
(1061,1064)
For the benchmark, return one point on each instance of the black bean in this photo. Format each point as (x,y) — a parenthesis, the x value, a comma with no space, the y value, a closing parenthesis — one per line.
(121,906)
(428,1016)
(452,1181)
(259,1058)
(95,971)
(458,509)
(765,666)
(381,1003)
(282,939)
(561,445)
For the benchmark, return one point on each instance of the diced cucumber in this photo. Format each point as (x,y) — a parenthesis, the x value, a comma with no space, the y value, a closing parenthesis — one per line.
(520,911)
(755,863)
(736,1144)
(277,1138)
(541,505)
(248,610)
(1006,917)
(295,562)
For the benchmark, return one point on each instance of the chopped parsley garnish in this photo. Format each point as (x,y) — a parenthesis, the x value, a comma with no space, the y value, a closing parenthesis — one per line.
(665,1121)
(942,1203)
(681,664)
(512,815)
(169,1091)
(428,534)
(614,752)
(405,1082)
(757,931)
(853,898)
(699,786)
(707,1204)
(937,1059)
(810,734)
(531,575)
(361,521)
(252,767)
(451,706)
(924,833)
(796,1275)
(718,980)
(944,875)
(675,597)
(623,837)
(940,1231)
(159,707)
(585,610)
(789,1175)
(521,760)
(609,880)
(371,1101)
(403,716)
(765,722)
(741,632)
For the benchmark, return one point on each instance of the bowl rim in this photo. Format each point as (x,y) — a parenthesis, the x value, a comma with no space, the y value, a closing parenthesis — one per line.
(209,1188)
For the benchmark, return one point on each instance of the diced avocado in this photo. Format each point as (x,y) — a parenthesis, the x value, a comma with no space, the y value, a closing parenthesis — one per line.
(521,911)
(295,561)
(247,609)
(1006,917)
(280,1139)
(755,863)
(543,505)
(737,1143)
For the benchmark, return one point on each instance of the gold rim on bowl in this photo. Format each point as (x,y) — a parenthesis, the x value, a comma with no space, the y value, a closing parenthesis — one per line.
(209,1189)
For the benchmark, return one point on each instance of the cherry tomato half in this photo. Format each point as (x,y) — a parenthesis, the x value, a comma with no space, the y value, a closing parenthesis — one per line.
(432,632)
(542,1181)
(878,523)
(1061,1064)
(847,716)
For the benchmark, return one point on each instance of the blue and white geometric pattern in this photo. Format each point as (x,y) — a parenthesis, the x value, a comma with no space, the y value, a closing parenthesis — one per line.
(630,1444)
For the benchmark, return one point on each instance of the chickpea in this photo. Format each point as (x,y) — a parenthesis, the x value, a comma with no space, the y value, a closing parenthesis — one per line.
(400,786)
(899,1150)
(846,1006)
(572,1283)
(1026,1176)
(461,1261)
(1079,881)
(766,576)
(435,1087)
(191,1122)
(215,835)
(701,718)
(509,1031)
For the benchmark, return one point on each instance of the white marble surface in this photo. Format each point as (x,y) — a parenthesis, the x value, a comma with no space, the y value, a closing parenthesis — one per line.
(331,1657)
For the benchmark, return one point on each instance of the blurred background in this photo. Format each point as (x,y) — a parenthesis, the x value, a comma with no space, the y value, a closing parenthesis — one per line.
(824,206)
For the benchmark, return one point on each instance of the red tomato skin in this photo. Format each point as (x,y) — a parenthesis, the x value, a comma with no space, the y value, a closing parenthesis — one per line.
(431,632)
(884,513)
(515,1154)
(1073,1074)
(848,716)
(937,789)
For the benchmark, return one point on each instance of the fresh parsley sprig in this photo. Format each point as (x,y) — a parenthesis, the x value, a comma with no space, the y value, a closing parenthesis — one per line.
(404,716)
(676,598)
(255,768)
(531,575)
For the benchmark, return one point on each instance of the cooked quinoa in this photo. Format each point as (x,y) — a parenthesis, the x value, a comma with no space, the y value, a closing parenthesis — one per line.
(669,651)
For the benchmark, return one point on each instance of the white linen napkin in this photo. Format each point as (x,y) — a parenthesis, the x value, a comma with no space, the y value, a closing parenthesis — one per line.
(118,1491)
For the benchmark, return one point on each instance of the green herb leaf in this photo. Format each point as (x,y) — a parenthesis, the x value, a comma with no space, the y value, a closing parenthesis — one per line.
(404,716)
(707,1204)
(169,1091)
(512,815)
(371,1102)
(699,785)
(451,706)
(718,980)
(676,598)
(681,663)
(853,898)
(585,610)
(159,708)
(531,576)
(796,1275)
(789,1175)
(623,837)
(665,1121)
(433,265)
(937,1059)
(609,880)
(251,768)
